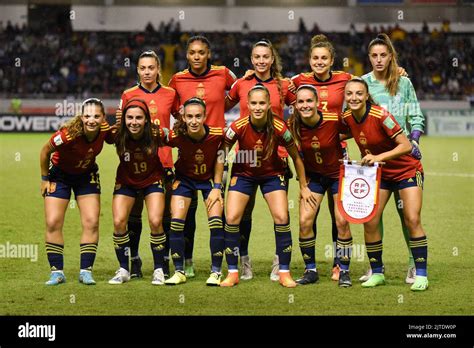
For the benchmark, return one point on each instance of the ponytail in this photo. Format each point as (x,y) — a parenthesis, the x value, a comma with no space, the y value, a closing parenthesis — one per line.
(392,75)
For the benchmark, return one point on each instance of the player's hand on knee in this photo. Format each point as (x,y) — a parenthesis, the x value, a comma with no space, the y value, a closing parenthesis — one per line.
(309,198)
(214,197)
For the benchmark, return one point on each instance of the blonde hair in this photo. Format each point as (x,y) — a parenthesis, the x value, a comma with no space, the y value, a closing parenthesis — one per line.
(75,126)
(392,71)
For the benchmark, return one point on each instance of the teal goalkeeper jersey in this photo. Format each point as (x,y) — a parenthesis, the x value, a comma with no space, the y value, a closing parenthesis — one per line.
(403,106)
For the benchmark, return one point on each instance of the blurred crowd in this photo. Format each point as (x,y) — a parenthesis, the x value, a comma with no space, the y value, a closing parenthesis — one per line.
(80,64)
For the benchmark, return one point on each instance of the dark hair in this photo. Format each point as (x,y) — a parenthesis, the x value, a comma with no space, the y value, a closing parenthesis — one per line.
(269,145)
(147,141)
(294,122)
(362,81)
(321,40)
(201,38)
(392,70)
(150,54)
(276,68)
(95,101)
(180,126)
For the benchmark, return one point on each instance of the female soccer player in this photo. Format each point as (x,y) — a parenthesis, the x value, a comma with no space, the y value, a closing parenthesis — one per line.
(74,148)
(395,94)
(210,83)
(198,145)
(316,133)
(381,139)
(267,70)
(139,171)
(330,86)
(258,135)
(162,102)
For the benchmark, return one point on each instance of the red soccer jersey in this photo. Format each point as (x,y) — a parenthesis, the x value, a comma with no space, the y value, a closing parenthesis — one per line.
(210,86)
(321,147)
(249,159)
(330,92)
(375,134)
(162,102)
(137,168)
(196,159)
(241,87)
(77,155)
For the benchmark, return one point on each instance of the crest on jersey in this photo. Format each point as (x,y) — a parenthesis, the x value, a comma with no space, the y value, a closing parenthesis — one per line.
(200,90)
(323,93)
(358,191)
(362,138)
(315,145)
(199,156)
(258,147)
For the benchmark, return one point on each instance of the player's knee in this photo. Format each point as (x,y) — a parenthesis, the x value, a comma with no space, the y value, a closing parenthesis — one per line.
(232,219)
(342,226)
(53,225)
(120,223)
(413,222)
(155,222)
(91,223)
(280,218)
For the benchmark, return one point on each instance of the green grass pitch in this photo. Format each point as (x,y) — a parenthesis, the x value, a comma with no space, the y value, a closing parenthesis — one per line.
(447,217)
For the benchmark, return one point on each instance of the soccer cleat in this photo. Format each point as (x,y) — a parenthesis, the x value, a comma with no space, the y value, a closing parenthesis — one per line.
(56,277)
(189,269)
(214,279)
(166,268)
(344,279)
(178,278)
(286,280)
(158,277)
(246,268)
(231,279)
(309,277)
(136,268)
(121,276)
(374,280)
(85,277)
(274,275)
(335,273)
(411,274)
(420,284)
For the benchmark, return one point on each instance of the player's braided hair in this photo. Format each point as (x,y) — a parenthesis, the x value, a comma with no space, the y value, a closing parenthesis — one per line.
(150,139)
(180,126)
(276,68)
(151,54)
(294,122)
(269,144)
(201,38)
(74,126)
(392,74)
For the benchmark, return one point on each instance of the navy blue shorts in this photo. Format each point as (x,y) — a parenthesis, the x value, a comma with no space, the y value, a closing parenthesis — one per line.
(417,180)
(248,185)
(133,192)
(319,183)
(81,184)
(186,187)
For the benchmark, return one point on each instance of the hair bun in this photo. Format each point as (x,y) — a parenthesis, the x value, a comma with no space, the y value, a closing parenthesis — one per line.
(319,38)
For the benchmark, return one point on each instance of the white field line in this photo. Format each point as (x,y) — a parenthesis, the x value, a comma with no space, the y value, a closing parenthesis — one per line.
(462,175)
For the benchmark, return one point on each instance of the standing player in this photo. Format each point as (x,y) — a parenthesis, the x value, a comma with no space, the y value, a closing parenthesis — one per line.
(316,133)
(198,145)
(381,139)
(330,86)
(268,72)
(139,172)
(162,101)
(258,135)
(210,83)
(74,147)
(395,94)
